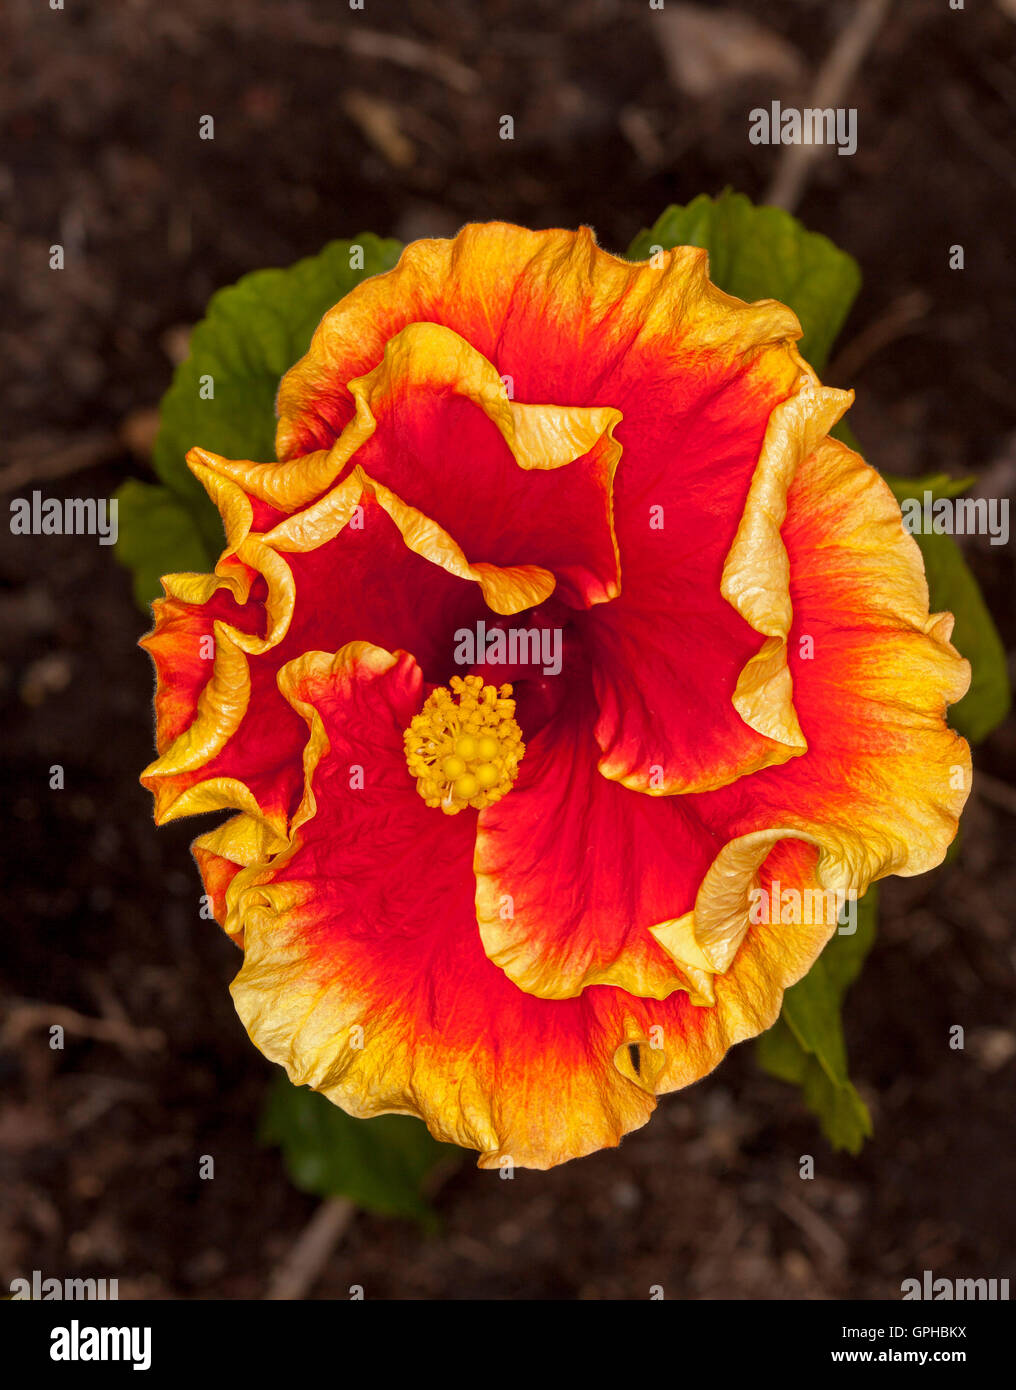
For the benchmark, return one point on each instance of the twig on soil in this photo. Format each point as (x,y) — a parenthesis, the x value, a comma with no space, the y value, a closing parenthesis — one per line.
(43,456)
(383,48)
(410,53)
(300,1270)
(24,1016)
(104,1092)
(379,124)
(828,1242)
(831,85)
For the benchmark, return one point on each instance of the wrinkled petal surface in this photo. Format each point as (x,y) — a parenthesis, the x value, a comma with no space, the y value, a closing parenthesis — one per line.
(515,432)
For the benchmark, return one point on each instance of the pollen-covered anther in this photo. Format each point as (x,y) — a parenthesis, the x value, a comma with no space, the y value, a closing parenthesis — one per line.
(464,747)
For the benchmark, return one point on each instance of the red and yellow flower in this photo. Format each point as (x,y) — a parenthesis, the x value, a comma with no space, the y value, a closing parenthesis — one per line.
(510,899)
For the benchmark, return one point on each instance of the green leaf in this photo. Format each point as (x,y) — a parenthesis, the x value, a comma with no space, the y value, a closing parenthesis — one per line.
(381,1164)
(156,535)
(938,483)
(764,253)
(954,589)
(253,332)
(811,1008)
(843,1115)
(806,1045)
(780,1054)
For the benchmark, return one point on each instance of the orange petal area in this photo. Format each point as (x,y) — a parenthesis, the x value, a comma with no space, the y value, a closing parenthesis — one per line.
(706,940)
(190,775)
(495,477)
(363,974)
(182,647)
(883,781)
(222,852)
(528,975)
(564,319)
(434,422)
(573,870)
(690,700)
(756,572)
(680,1041)
(226,737)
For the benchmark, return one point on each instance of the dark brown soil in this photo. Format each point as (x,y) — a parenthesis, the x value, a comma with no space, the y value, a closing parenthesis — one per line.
(99,1142)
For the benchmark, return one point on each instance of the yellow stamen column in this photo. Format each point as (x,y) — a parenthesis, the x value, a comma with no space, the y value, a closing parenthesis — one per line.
(464,747)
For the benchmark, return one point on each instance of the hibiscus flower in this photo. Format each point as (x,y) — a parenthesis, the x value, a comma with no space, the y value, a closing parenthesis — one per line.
(560,630)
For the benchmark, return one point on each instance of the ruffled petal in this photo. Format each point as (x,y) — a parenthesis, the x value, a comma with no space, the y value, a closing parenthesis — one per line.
(435,423)
(712,407)
(563,319)
(573,871)
(678,1041)
(690,697)
(309,579)
(491,470)
(221,853)
(884,779)
(372,986)
(529,979)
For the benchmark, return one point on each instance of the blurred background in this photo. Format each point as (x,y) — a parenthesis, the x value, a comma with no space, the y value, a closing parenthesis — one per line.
(329,122)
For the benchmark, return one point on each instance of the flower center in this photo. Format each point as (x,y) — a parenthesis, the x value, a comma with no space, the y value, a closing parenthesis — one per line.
(464,747)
